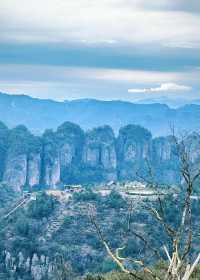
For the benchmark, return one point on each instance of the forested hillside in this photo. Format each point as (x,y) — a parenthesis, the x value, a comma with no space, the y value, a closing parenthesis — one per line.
(38,239)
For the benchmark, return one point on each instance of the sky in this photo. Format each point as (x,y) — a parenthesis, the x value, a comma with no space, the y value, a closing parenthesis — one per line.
(108,49)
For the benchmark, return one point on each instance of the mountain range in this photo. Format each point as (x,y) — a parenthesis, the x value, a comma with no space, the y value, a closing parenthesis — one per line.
(41,114)
(171,102)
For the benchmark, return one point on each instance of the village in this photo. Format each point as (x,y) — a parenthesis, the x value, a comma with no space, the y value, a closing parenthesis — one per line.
(125,189)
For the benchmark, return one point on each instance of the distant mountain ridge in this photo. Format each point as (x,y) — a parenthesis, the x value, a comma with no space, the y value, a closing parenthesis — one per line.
(171,102)
(41,114)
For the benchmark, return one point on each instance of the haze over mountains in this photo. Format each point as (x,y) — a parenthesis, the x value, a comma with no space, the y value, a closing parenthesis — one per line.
(40,114)
(171,102)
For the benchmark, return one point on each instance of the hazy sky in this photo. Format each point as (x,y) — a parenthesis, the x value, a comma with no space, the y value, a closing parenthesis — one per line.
(107,49)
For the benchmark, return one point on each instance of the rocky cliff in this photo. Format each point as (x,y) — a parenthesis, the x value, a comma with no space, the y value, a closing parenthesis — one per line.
(22,159)
(133,149)
(99,154)
(70,139)
(3,147)
(70,155)
(32,267)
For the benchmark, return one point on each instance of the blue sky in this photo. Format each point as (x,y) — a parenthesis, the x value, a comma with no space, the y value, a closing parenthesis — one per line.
(108,49)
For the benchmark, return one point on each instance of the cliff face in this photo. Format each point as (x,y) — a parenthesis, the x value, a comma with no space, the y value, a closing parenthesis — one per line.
(3,147)
(33,169)
(193,143)
(22,164)
(15,171)
(100,154)
(69,155)
(70,141)
(50,175)
(165,160)
(163,149)
(133,149)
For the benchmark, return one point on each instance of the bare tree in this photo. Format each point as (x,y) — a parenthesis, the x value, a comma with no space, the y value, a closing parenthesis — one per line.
(177,250)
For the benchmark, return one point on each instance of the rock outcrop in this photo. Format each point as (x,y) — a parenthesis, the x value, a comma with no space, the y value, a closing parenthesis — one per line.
(22,164)
(15,171)
(37,267)
(50,175)
(165,160)
(133,149)
(4,132)
(193,144)
(99,155)
(33,169)
(70,142)
(69,155)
